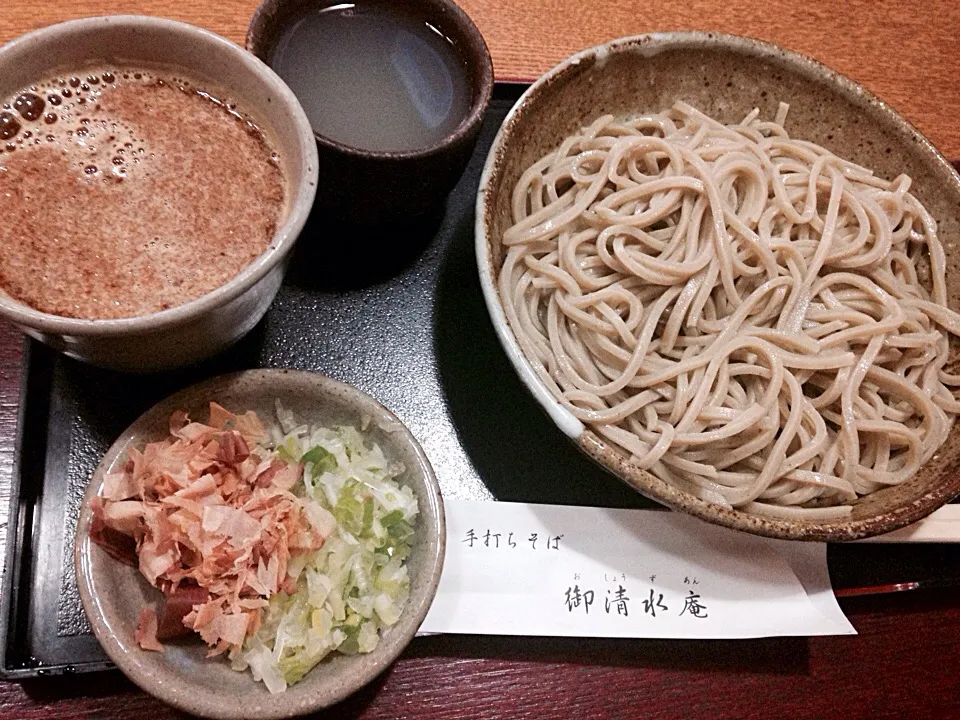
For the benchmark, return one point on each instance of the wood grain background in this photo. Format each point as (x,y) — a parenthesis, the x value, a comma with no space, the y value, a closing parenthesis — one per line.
(906,660)
(902,665)
(905,52)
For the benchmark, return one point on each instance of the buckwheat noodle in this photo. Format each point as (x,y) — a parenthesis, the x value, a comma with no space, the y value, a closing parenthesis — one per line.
(746,315)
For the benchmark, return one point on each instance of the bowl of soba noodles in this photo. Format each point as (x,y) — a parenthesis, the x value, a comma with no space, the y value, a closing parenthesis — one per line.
(729,275)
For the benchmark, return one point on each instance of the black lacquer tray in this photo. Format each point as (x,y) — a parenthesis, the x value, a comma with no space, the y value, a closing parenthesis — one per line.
(398,313)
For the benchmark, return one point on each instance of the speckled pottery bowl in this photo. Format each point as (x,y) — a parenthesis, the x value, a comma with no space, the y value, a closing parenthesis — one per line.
(725,76)
(113,593)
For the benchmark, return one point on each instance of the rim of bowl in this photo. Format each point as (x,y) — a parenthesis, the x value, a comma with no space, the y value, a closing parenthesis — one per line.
(282,706)
(477,108)
(586,440)
(299,203)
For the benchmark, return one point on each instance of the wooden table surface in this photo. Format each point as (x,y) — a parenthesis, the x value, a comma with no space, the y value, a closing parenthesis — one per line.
(905,662)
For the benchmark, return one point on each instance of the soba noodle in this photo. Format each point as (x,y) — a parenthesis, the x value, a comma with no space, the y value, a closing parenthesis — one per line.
(746,315)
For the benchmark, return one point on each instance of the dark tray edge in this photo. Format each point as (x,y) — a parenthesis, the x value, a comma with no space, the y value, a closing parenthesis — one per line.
(21,514)
(15,531)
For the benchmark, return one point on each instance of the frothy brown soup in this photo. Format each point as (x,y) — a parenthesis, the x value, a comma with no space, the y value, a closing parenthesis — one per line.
(126,192)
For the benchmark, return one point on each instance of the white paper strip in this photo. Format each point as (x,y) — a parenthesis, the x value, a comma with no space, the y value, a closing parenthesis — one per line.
(516,569)
(941,526)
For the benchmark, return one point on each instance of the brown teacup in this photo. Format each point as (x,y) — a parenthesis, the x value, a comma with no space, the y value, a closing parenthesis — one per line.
(370,187)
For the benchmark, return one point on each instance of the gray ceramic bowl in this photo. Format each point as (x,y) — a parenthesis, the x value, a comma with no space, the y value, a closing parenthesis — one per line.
(204,326)
(368,188)
(725,76)
(113,593)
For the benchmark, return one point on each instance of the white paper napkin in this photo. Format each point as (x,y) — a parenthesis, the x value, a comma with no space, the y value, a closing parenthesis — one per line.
(518,569)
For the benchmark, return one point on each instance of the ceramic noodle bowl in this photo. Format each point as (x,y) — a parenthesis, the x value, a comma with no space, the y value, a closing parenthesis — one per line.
(725,77)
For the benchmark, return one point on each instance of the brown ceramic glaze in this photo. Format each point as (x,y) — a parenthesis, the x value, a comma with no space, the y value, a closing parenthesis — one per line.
(113,593)
(368,187)
(726,76)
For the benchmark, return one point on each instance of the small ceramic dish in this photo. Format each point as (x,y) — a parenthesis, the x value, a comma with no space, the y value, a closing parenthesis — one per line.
(725,76)
(199,328)
(367,187)
(113,593)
